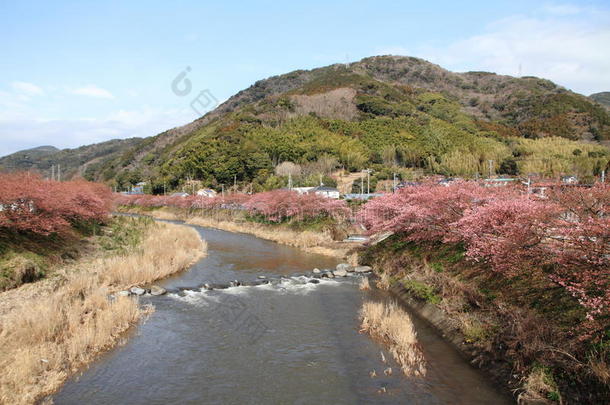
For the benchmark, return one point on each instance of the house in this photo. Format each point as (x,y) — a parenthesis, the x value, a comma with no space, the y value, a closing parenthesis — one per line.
(499,182)
(207,192)
(302,190)
(446,181)
(404,184)
(569,180)
(138,189)
(328,192)
(364,197)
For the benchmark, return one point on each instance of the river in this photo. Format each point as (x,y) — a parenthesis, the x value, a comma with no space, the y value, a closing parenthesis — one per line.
(288,343)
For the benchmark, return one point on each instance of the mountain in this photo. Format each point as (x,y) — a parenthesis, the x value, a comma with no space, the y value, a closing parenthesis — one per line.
(603,98)
(389,113)
(73,162)
(27,158)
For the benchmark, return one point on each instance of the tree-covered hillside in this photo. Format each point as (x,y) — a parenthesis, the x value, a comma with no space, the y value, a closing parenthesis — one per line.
(392,114)
(78,162)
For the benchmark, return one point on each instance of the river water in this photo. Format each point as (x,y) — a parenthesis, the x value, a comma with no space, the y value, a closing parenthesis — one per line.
(292,342)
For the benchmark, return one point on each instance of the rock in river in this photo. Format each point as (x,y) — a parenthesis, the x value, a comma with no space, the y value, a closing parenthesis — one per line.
(344,267)
(316,271)
(156,290)
(123,293)
(340,273)
(137,290)
(362,269)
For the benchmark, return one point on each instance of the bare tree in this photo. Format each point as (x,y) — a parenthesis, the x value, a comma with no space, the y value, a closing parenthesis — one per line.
(288,169)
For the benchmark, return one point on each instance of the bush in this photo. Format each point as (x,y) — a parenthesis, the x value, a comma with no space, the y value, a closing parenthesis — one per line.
(422,291)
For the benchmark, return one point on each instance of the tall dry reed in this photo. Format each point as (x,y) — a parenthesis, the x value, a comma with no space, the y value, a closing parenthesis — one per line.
(394,326)
(364,284)
(46,340)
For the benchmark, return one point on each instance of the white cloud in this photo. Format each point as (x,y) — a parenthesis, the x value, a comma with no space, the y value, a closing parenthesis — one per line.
(22,132)
(562,9)
(26,89)
(93,91)
(563,43)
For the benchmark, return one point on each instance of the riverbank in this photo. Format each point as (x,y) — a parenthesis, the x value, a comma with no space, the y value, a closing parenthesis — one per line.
(520,332)
(323,240)
(52,328)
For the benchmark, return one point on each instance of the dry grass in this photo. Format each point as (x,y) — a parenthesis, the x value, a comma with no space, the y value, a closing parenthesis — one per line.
(364,284)
(163,253)
(394,326)
(384,281)
(46,339)
(599,366)
(165,214)
(539,388)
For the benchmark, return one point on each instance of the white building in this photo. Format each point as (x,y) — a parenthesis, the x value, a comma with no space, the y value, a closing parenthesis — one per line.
(328,192)
(207,192)
(302,190)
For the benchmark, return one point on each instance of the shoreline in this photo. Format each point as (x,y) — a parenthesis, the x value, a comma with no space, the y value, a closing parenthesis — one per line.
(309,241)
(441,323)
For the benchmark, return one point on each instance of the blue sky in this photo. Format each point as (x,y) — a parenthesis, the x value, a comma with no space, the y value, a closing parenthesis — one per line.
(78,72)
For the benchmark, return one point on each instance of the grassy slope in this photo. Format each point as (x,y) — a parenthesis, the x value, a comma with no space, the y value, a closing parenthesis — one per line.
(27,258)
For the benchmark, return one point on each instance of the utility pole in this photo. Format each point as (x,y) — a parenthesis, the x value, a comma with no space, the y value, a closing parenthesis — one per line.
(603,176)
(235,183)
(53,172)
(393,182)
(289,181)
(222,189)
(491,163)
(368,181)
(361,186)
(58,172)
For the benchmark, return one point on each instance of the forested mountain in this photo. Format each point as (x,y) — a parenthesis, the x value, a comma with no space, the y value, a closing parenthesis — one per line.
(389,113)
(603,98)
(73,162)
(27,158)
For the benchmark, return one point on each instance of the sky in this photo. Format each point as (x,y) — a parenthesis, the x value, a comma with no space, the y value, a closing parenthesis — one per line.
(79,72)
